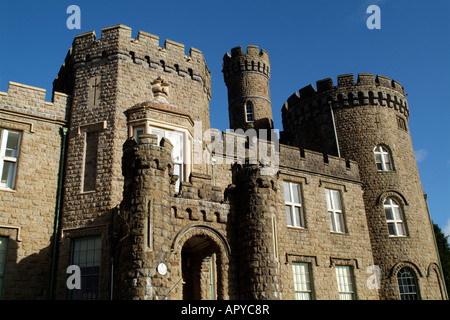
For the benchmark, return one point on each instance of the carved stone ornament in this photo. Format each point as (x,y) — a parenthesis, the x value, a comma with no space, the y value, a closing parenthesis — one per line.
(160,88)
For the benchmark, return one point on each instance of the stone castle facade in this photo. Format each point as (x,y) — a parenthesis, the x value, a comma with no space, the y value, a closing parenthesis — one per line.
(122,176)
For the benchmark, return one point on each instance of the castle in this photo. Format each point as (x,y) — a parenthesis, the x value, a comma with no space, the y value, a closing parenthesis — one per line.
(122,176)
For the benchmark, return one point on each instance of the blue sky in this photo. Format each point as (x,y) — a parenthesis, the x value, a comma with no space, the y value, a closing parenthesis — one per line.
(306,40)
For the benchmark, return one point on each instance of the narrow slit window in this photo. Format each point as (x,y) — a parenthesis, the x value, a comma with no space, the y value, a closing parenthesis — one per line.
(249,115)
(90,161)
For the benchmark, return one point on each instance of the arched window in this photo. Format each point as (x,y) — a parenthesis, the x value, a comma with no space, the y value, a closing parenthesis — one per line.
(383,158)
(407,284)
(249,117)
(394,218)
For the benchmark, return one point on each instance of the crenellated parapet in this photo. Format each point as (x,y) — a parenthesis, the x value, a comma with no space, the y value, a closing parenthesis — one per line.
(30,100)
(247,75)
(116,42)
(254,60)
(366,90)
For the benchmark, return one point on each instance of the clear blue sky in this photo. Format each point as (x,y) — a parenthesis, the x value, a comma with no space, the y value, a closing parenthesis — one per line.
(306,40)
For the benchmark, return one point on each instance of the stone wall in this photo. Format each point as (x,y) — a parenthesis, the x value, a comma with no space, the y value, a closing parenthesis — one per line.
(107,76)
(371,112)
(27,211)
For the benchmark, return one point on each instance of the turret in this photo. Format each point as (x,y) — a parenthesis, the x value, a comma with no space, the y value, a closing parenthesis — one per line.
(257,189)
(367,121)
(247,78)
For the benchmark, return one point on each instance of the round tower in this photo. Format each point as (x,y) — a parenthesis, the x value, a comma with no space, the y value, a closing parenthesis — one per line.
(367,121)
(256,206)
(247,78)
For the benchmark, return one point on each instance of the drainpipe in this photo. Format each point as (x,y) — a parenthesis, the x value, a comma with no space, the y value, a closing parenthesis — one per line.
(59,195)
(334,127)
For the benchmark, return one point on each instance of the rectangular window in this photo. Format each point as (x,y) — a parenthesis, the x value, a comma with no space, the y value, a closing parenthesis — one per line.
(9,156)
(249,116)
(137,132)
(401,123)
(302,281)
(90,161)
(86,254)
(177,140)
(345,282)
(293,204)
(3,251)
(335,214)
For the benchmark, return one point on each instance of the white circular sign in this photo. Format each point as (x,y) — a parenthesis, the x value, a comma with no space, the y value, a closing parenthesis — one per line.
(162,269)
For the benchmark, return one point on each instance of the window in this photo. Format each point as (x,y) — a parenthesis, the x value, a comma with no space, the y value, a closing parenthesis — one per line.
(293,203)
(177,140)
(137,132)
(249,116)
(302,281)
(345,282)
(382,158)
(3,250)
(9,155)
(401,123)
(86,253)
(335,213)
(407,284)
(394,217)
(90,161)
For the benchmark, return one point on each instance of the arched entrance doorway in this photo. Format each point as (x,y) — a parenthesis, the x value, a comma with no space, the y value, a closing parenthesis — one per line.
(204,256)
(199,269)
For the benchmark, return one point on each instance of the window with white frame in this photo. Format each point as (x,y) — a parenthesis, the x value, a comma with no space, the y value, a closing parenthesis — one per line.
(334,207)
(137,131)
(302,281)
(293,204)
(345,282)
(249,115)
(177,140)
(383,158)
(394,218)
(407,284)
(9,156)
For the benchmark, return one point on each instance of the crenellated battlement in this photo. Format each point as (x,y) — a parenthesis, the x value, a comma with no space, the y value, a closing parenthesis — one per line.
(116,42)
(366,90)
(296,159)
(31,101)
(253,60)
